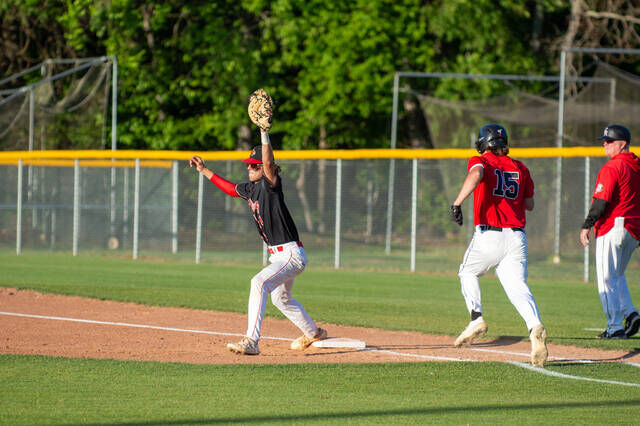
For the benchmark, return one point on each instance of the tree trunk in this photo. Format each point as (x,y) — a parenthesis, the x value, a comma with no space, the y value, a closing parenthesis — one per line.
(568,41)
(243,142)
(536,28)
(417,131)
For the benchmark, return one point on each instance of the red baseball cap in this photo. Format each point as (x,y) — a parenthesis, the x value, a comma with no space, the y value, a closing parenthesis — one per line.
(256,155)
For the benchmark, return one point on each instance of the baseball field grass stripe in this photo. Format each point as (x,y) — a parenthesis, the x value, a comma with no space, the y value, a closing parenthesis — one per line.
(568,376)
(50,390)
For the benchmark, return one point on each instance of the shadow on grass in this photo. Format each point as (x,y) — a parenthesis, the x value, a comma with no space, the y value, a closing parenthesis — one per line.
(317,417)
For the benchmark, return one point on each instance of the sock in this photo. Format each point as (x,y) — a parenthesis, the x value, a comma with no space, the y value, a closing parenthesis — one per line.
(475,315)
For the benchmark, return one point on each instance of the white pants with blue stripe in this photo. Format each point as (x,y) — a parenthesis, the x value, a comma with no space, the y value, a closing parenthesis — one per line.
(277,279)
(613,251)
(507,251)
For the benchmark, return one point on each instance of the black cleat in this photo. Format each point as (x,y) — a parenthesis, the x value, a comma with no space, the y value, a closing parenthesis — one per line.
(632,324)
(618,334)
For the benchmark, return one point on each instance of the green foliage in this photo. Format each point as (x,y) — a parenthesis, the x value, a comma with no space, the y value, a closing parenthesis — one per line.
(186,69)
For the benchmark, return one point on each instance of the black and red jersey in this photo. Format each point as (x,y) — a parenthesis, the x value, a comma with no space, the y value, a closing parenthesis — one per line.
(273,220)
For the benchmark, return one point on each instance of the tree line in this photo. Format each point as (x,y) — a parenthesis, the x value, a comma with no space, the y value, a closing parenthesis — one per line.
(186,68)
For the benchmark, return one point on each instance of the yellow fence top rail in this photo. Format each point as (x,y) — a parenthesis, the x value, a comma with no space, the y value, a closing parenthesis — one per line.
(353,154)
(161,164)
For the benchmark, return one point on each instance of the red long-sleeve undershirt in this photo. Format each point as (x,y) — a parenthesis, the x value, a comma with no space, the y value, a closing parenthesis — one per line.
(224,185)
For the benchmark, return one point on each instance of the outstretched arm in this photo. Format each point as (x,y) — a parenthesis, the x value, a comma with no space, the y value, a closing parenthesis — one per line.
(224,185)
(268,162)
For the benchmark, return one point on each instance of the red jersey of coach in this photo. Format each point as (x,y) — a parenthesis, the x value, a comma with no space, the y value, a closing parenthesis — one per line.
(618,183)
(498,200)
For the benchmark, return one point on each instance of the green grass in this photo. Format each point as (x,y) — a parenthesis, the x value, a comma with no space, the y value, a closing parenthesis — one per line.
(45,390)
(41,390)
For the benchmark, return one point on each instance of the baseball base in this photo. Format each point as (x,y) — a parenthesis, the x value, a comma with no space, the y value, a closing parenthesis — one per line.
(340,342)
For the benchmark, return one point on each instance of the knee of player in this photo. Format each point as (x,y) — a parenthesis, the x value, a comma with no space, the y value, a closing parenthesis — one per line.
(464,274)
(256,282)
(279,299)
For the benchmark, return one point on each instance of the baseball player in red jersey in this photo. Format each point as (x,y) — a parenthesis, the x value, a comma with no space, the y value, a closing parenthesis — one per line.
(502,190)
(615,216)
(275,226)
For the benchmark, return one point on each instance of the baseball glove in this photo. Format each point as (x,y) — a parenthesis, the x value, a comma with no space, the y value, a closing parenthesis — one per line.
(261,109)
(456,214)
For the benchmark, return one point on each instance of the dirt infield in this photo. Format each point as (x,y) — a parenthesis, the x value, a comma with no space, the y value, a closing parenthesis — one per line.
(53,325)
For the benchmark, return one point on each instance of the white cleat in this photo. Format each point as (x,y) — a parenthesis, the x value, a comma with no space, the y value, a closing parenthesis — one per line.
(539,351)
(476,328)
(303,342)
(246,346)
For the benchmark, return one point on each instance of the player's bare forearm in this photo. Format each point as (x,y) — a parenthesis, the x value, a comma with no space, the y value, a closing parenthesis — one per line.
(469,185)
(529,203)
(198,163)
(268,162)
(584,236)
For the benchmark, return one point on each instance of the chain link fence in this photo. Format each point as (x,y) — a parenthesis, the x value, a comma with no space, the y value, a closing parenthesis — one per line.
(152,211)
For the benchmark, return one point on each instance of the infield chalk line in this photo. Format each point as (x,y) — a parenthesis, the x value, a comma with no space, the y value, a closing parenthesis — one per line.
(404,354)
(527,355)
(433,357)
(124,324)
(567,376)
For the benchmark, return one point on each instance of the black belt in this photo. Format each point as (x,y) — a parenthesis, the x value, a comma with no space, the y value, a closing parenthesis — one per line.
(495,228)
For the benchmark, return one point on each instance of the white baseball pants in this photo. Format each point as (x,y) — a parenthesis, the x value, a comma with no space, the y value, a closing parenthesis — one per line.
(613,251)
(508,251)
(277,279)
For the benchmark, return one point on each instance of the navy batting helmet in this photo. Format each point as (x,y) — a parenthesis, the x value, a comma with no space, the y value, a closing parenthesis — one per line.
(491,136)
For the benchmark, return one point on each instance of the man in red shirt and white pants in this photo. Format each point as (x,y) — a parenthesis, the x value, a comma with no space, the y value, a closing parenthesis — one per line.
(502,190)
(615,216)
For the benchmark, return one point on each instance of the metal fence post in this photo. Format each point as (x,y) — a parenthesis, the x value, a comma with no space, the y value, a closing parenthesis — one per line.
(114,140)
(559,143)
(19,210)
(112,202)
(336,262)
(587,199)
(174,207)
(414,215)
(34,219)
(392,163)
(136,209)
(76,205)
(125,207)
(199,219)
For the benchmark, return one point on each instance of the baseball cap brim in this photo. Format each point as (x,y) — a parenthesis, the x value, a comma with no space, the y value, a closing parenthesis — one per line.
(609,138)
(251,161)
